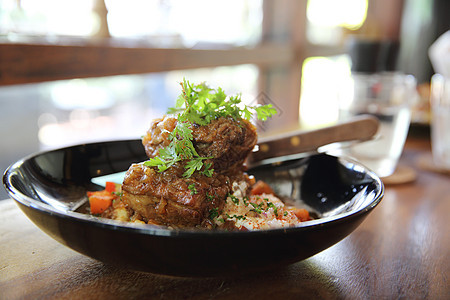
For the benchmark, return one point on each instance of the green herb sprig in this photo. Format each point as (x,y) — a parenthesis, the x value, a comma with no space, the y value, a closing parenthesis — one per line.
(199,104)
(192,188)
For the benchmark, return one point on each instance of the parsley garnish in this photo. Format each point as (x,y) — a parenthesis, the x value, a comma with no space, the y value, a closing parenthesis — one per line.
(199,104)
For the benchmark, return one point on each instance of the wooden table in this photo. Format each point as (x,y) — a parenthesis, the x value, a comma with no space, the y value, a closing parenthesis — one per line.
(402,250)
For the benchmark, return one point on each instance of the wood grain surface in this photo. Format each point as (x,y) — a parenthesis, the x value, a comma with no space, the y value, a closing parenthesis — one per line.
(401,251)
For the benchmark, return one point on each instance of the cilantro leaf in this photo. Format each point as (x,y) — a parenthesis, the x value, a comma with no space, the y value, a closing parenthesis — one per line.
(207,170)
(193,165)
(265,111)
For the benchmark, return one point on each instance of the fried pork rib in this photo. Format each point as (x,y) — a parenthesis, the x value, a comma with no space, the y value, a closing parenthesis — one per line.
(167,197)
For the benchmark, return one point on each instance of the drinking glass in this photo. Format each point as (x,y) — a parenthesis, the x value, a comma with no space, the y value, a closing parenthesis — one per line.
(389,97)
(440,120)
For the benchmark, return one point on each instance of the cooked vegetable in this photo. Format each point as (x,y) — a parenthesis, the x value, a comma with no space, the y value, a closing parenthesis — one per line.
(302,214)
(260,188)
(110,187)
(99,201)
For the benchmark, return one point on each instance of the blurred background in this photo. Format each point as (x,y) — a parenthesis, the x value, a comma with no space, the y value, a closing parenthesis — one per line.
(77,71)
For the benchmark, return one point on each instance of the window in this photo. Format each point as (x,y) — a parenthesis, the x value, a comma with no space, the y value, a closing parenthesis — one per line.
(328,22)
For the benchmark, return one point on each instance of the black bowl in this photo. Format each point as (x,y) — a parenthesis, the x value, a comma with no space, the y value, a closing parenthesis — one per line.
(339,191)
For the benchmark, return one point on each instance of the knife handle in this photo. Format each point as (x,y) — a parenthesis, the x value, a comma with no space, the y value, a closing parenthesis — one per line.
(361,128)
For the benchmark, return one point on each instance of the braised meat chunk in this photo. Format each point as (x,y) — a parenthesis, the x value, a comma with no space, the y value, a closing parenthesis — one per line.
(157,136)
(168,198)
(226,140)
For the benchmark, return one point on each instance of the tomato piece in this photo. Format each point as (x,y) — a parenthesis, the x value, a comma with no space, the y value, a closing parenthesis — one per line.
(302,214)
(100,201)
(110,186)
(260,187)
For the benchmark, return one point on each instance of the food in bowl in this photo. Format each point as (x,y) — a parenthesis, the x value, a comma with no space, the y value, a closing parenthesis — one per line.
(195,176)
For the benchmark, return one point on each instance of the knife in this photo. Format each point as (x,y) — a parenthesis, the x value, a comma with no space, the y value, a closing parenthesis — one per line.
(300,143)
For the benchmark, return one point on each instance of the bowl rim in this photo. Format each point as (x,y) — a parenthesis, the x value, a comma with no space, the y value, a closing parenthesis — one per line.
(155,230)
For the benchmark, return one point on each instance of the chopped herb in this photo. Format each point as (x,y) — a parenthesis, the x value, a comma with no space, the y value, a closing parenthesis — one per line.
(256,208)
(199,104)
(209,197)
(213,212)
(234,199)
(192,188)
(285,213)
(271,205)
(240,217)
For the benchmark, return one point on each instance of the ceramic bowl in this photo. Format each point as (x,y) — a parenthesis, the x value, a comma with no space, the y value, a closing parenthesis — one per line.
(49,186)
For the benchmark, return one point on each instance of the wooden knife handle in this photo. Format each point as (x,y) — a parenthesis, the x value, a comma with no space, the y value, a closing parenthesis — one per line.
(362,128)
